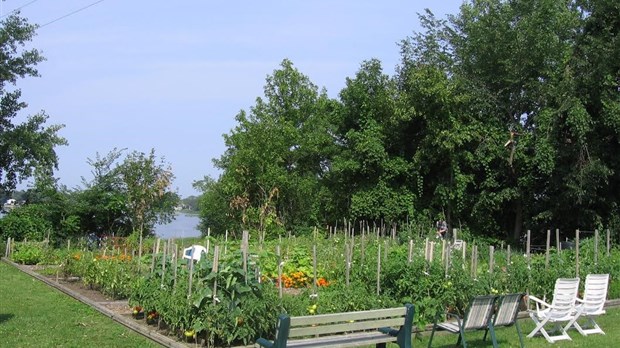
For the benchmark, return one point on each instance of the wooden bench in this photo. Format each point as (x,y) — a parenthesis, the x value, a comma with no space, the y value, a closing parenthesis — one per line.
(350,329)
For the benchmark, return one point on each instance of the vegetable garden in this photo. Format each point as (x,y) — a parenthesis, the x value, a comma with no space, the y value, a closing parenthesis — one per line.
(234,293)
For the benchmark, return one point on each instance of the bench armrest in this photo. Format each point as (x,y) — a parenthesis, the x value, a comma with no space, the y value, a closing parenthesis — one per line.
(264,343)
(389,331)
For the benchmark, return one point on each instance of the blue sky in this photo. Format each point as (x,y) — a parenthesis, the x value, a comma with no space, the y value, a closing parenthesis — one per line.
(172,75)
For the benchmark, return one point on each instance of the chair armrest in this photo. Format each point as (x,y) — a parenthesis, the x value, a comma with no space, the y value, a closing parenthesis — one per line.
(264,343)
(539,301)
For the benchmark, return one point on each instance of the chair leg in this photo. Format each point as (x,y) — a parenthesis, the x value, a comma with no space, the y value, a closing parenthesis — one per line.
(484,338)
(461,339)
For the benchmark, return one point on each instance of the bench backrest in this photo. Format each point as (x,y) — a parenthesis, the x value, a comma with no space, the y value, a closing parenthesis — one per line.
(326,324)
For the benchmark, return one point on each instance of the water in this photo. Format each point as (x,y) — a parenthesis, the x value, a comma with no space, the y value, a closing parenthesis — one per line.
(185,225)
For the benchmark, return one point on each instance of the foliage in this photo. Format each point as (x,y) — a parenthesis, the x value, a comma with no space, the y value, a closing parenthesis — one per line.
(146,183)
(28,253)
(26,222)
(30,145)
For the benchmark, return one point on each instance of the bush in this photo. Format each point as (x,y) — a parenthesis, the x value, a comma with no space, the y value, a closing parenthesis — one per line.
(28,253)
(27,222)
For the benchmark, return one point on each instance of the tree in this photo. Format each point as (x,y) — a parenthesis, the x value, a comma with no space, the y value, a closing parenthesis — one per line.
(146,184)
(30,145)
(277,154)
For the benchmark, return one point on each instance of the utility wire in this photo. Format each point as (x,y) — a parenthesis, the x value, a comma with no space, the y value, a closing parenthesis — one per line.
(17,9)
(70,13)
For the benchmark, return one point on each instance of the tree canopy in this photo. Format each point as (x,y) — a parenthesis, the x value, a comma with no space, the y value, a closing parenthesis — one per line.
(502,117)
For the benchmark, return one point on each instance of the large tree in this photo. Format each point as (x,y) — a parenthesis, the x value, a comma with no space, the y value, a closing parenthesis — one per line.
(24,147)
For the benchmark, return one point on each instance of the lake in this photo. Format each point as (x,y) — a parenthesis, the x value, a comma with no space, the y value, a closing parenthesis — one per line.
(184,225)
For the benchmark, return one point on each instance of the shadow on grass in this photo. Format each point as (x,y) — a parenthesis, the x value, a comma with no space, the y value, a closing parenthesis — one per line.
(5,317)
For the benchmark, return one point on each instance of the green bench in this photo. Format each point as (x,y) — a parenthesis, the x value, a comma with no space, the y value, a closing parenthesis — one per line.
(350,329)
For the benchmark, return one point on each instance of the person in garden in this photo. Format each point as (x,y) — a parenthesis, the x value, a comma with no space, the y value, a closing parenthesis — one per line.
(442,228)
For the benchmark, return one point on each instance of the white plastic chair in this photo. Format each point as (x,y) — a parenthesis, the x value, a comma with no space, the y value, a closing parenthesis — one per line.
(592,304)
(561,309)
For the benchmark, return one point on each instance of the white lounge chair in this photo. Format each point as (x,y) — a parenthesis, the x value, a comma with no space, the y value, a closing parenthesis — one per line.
(594,296)
(561,310)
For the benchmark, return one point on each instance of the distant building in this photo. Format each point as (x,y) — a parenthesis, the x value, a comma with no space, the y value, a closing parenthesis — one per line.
(9,205)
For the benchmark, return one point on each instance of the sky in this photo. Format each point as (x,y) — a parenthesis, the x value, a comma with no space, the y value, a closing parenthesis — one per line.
(172,75)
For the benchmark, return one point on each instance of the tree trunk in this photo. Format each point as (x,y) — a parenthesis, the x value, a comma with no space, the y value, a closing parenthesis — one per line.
(518,223)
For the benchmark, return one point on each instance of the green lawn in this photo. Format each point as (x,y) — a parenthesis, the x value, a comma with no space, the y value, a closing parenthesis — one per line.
(507,337)
(35,315)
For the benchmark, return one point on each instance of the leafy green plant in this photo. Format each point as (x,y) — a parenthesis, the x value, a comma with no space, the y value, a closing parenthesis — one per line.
(28,253)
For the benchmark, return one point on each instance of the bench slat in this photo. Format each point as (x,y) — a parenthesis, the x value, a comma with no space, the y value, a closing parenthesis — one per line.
(340,317)
(345,327)
(343,341)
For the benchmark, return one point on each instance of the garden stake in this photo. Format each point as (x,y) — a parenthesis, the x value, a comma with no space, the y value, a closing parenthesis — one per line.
(410,258)
(508,255)
(191,275)
(314,289)
(464,254)
(547,249)
(347,260)
(378,269)
(527,249)
(279,270)
(608,244)
(491,258)
(557,240)
(152,259)
(226,246)
(216,260)
(577,253)
(175,265)
(596,247)
(208,239)
(163,267)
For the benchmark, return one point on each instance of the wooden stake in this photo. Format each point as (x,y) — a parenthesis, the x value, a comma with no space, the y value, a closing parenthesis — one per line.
(577,253)
(596,247)
(547,249)
(491,258)
(410,258)
(557,241)
(378,269)
(216,265)
(279,255)
(527,250)
(608,242)
(314,289)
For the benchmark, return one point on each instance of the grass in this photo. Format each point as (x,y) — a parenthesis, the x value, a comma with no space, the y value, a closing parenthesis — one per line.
(507,337)
(35,315)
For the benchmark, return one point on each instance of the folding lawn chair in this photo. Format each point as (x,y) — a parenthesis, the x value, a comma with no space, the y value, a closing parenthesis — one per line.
(506,314)
(594,296)
(478,317)
(561,309)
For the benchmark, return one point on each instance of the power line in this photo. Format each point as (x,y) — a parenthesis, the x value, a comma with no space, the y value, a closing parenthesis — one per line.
(70,13)
(17,9)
